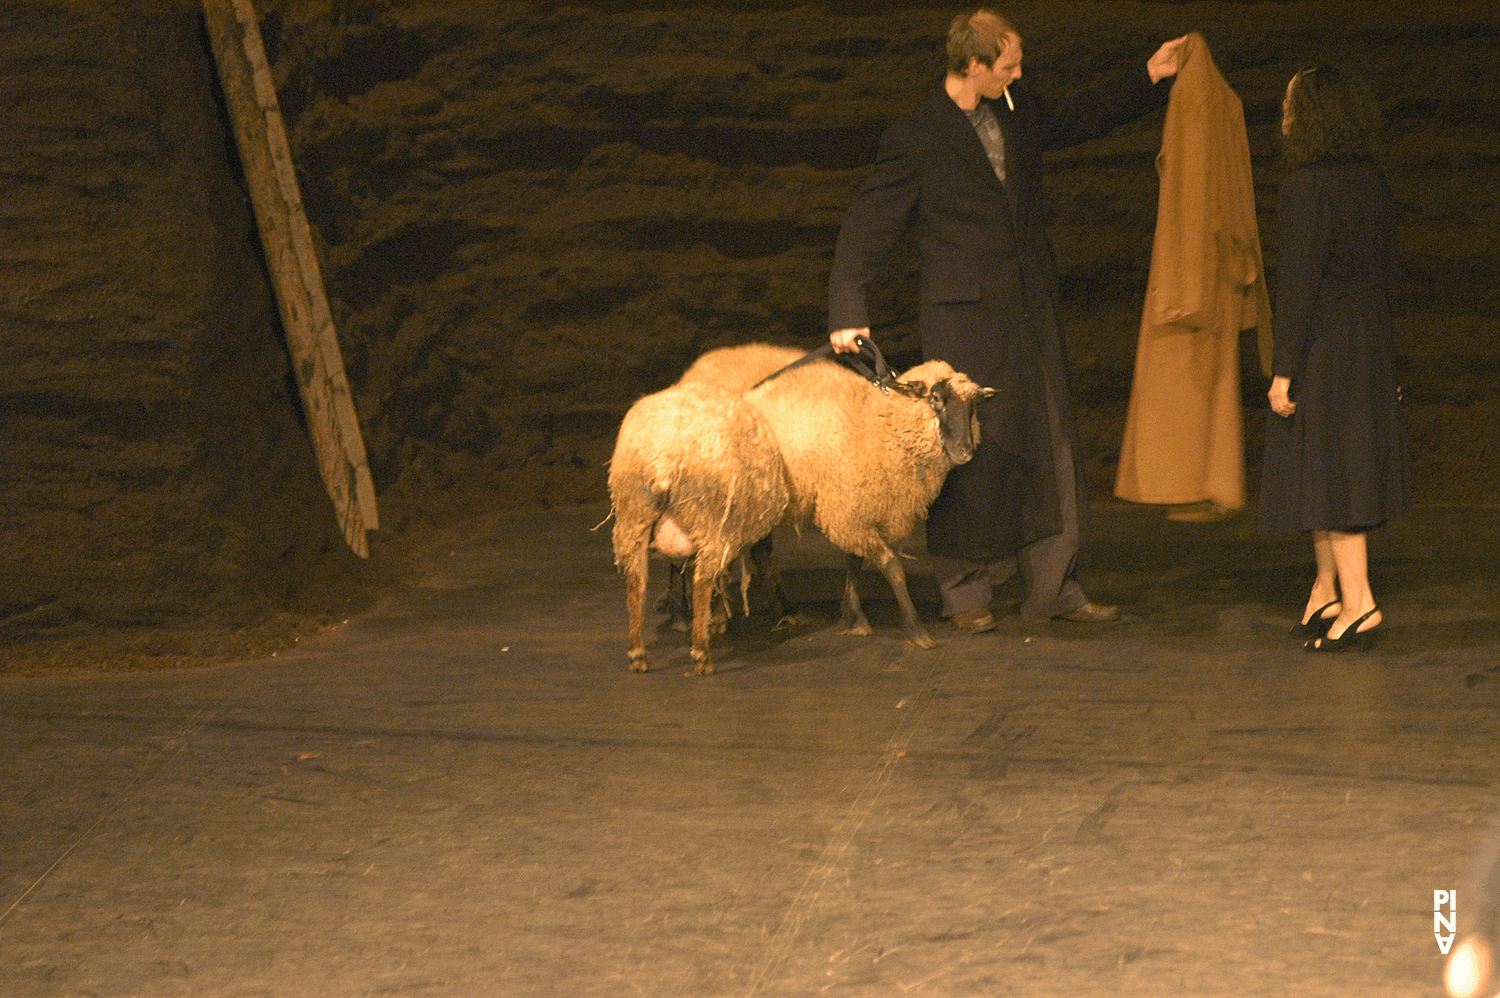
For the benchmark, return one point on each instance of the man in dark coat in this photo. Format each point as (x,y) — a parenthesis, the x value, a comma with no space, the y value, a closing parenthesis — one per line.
(964,174)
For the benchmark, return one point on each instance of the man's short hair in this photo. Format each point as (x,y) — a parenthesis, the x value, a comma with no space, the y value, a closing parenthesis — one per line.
(980,34)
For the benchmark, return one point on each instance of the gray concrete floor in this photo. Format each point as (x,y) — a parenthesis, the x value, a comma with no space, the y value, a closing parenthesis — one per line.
(466,792)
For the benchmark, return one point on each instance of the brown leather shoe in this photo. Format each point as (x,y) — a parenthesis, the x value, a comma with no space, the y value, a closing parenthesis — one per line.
(1092,613)
(973,621)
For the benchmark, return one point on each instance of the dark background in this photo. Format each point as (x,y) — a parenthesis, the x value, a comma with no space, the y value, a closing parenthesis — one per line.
(529,215)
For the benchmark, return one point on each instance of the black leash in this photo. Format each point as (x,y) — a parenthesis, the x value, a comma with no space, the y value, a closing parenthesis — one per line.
(880,376)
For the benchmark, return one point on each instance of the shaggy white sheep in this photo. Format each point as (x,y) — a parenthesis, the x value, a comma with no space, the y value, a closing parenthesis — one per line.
(862,465)
(695,473)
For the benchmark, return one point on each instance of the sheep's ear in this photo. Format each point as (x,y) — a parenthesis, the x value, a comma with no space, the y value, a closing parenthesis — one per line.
(937,397)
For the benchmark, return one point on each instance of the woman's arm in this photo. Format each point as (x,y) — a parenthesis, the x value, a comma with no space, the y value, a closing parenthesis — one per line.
(1302,243)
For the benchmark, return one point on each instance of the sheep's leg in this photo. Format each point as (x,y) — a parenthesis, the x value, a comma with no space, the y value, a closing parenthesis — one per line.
(679,603)
(761,557)
(637,563)
(854,620)
(704,580)
(724,609)
(674,599)
(745,575)
(890,566)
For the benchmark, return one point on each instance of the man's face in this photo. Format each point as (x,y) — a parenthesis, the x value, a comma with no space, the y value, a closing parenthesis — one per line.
(991,81)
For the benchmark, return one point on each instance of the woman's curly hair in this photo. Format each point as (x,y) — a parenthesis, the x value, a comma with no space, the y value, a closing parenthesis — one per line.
(1333,117)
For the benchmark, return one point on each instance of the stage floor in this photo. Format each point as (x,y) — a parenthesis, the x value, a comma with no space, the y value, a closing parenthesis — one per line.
(467,793)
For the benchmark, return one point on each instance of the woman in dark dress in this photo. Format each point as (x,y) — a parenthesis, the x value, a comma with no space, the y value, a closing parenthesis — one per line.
(1335,461)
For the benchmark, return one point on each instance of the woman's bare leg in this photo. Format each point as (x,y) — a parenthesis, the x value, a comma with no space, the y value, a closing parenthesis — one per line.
(1352,563)
(1325,587)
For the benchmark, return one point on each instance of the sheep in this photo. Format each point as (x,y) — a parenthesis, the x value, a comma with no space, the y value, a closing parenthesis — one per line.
(737,369)
(862,465)
(695,473)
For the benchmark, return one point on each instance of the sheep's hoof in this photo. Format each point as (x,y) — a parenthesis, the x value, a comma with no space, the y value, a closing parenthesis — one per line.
(704,666)
(919,638)
(639,663)
(857,625)
(790,620)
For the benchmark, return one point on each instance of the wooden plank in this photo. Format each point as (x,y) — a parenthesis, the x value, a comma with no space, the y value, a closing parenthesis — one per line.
(271,177)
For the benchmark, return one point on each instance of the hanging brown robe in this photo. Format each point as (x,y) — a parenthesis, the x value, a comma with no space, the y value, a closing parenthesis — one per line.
(1183,432)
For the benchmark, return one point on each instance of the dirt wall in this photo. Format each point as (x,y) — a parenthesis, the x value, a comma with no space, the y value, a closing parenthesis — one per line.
(533,215)
(152,463)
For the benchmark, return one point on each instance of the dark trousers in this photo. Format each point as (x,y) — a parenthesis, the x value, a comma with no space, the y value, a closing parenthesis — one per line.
(1047,566)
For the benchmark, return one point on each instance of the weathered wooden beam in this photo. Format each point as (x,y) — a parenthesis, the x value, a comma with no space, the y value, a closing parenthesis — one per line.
(319,367)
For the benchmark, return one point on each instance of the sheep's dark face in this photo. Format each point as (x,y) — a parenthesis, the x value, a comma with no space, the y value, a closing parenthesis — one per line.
(953,399)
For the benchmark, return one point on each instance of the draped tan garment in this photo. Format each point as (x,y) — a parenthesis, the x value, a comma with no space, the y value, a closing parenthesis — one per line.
(1183,431)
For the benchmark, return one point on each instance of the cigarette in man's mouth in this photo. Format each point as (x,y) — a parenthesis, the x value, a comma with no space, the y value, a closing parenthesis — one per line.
(1008,102)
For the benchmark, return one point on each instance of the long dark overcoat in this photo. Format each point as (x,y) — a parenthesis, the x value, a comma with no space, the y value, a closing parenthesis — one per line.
(1339,462)
(988,286)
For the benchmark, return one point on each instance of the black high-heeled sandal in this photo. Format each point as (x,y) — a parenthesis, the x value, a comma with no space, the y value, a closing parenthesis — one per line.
(1317,625)
(1352,637)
